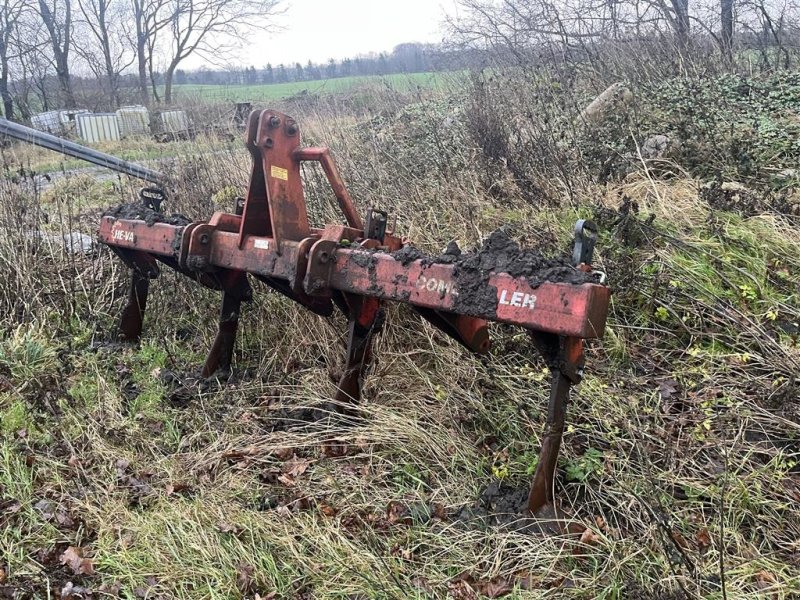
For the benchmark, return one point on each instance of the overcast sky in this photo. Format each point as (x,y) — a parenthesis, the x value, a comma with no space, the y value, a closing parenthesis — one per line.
(317,30)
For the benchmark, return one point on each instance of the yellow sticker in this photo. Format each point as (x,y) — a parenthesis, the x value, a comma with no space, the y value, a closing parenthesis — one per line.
(279,173)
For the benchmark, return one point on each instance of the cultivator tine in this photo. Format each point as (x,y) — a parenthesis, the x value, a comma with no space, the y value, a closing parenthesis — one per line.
(565,357)
(470,332)
(221,353)
(363,320)
(541,492)
(143,269)
(132,317)
(220,356)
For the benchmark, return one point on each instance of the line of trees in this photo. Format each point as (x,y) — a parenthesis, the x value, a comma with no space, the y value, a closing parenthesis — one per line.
(102,53)
(404,58)
(42,41)
(761,33)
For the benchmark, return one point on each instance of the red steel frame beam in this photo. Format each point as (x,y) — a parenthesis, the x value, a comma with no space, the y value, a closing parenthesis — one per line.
(563,309)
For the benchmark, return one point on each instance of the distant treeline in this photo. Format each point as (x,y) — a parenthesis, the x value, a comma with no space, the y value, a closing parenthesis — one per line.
(404,58)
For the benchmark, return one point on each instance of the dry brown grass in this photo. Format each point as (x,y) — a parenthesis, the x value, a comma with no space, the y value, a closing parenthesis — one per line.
(681,455)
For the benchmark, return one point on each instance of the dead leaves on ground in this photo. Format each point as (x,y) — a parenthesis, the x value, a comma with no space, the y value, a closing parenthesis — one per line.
(74,558)
(468,587)
(703,539)
(55,513)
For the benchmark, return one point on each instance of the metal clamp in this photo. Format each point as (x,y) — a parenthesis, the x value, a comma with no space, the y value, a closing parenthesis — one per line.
(585,238)
(152,197)
(375,228)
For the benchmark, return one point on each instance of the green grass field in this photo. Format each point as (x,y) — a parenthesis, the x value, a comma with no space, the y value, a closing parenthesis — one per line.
(276,91)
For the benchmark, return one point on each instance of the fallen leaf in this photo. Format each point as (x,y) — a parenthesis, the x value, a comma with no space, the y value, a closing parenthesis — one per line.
(225,527)
(244,578)
(589,537)
(178,488)
(680,540)
(74,559)
(46,508)
(398,513)
(462,590)
(576,528)
(667,389)
(283,453)
(70,591)
(439,511)
(335,449)
(326,509)
(9,507)
(112,589)
(145,592)
(528,581)
(495,588)
(466,587)
(286,480)
(765,578)
(422,584)
(400,552)
(240,453)
(671,402)
(64,519)
(703,539)
(296,467)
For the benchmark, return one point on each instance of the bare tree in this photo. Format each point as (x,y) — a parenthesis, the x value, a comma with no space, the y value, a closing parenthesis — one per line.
(204,27)
(105,19)
(33,65)
(523,27)
(57,18)
(726,29)
(10,12)
(150,17)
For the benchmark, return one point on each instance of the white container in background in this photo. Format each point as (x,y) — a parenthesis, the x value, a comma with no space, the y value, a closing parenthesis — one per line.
(174,121)
(133,120)
(49,122)
(97,127)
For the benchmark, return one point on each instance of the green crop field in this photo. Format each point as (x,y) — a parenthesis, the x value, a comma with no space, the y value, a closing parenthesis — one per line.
(239,93)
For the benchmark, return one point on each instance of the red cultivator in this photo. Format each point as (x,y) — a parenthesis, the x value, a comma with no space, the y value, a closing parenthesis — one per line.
(358,267)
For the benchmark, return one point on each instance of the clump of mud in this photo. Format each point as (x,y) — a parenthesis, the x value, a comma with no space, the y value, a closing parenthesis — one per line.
(140,212)
(407,254)
(501,254)
(500,506)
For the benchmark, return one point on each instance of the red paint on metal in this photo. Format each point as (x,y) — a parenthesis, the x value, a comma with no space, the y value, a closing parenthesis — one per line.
(158,238)
(323,156)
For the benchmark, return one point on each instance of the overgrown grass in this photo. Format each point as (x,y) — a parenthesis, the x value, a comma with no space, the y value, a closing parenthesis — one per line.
(681,455)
